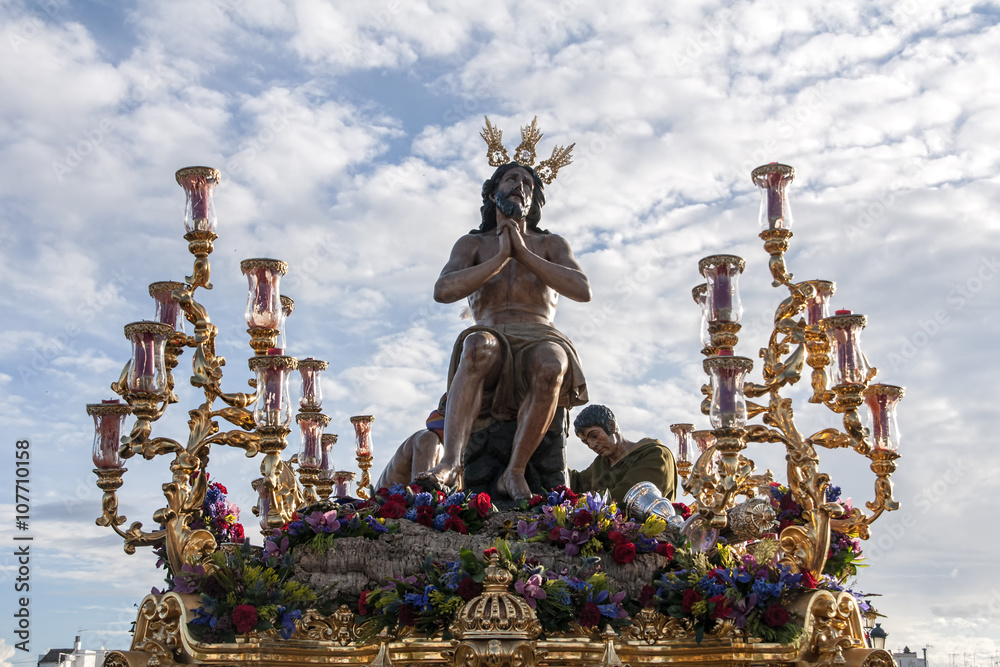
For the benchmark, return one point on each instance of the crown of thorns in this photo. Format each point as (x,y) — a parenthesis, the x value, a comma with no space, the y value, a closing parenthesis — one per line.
(525,153)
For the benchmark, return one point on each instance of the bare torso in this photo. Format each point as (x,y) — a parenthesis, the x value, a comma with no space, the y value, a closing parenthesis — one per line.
(515,294)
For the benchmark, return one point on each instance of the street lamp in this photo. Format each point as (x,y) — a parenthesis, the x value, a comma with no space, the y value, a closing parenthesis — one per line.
(878,636)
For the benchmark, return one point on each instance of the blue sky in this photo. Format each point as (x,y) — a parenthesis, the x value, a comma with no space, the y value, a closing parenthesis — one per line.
(347,134)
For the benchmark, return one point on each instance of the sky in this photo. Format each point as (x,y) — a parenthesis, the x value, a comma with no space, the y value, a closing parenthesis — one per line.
(347,136)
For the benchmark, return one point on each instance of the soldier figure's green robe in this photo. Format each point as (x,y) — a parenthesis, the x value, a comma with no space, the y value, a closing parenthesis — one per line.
(647,461)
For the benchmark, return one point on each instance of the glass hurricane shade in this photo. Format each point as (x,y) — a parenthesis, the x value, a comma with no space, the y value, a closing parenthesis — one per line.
(287,306)
(728,408)
(311,394)
(818,306)
(342,484)
(881,400)
(273,406)
(168,311)
(147,374)
(311,425)
(264,299)
(108,419)
(722,274)
(844,330)
(199,206)
(682,437)
(773,180)
(326,454)
(700,296)
(263,506)
(363,434)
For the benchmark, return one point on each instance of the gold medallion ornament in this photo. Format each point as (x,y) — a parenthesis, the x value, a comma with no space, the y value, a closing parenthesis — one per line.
(525,153)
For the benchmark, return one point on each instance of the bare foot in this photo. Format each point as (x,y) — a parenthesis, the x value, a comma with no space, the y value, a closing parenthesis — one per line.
(443,475)
(513,485)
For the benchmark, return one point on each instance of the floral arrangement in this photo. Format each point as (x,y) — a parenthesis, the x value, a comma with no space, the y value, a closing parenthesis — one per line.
(708,589)
(591,524)
(843,559)
(429,600)
(458,512)
(220,516)
(239,594)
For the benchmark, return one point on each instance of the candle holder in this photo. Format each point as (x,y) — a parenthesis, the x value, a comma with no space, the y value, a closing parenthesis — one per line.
(363,451)
(822,342)
(146,383)
(263,314)
(342,484)
(287,307)
(700,295)
(324,486)
(723,307)
(311,425)
(682,433)
(200,219)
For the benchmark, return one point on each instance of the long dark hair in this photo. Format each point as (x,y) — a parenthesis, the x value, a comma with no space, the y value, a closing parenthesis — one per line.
(488,210)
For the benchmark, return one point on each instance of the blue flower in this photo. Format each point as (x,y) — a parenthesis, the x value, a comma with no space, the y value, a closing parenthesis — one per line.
(397,490)
(455,499)
(439,521)
(375,525)
(832,494)
(411,514)
(287,621)
(420,601)
(453,575)
(422,499)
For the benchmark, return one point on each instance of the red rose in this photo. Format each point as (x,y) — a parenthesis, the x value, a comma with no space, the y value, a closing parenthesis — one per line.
(220,487)
(646,595)
(535,500)
(416,488)
(590,615)
(236,533)
(616,537)
(582,518)
(683,510)
(570,495)
(624,553)
(425,515)
(407,615)
(808,580)
(489,552)
(363,603)
(469,589)
(689,598)
(722,606)
(392,510)
(383,492)
(788,503)
(439,496)
(555,536)
(244,618)
(665,549)
(456,524)
(453,510)
(398,497)
(776,615)
(482,503)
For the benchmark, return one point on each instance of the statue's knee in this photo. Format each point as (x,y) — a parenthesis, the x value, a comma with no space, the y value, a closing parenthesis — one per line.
(549,367)
(479,352)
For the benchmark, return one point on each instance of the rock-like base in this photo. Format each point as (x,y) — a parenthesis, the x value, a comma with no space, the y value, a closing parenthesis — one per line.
(489,449)
(355,564)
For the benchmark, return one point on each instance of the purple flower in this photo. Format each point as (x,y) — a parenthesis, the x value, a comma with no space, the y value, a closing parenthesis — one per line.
(273,548)
(742,608)
(324,522)
(531,589)
(527,530)
(187,580)
(574,539)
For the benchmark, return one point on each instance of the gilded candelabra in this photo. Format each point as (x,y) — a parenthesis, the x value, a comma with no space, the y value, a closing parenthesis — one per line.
(804,334)
(261,418)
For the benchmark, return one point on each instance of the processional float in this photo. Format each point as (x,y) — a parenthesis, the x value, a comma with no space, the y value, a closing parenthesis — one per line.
(498,626)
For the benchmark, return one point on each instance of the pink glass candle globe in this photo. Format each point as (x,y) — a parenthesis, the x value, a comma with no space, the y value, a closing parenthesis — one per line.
(264,299)
(108,418)
(273,407)
(773,180)
(168,311)
(722,274)
(844,330)
(311,395)
(363,435)
(682,434)
(199,207)
(728,408)
(311,425)
(700,296)
(818,306)
(147,374)
(326,464)
(881,400)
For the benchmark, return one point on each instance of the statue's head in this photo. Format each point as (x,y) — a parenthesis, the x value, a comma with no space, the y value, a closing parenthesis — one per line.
(492,192)
(595,415)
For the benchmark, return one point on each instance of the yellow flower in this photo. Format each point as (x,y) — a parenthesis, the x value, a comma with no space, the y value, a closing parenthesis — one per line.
(230,518)
(654,526)
(559,514)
